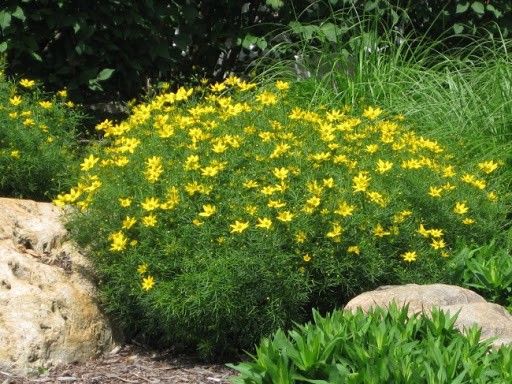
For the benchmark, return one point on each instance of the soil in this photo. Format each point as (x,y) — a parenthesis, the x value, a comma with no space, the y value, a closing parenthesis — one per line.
(131,364)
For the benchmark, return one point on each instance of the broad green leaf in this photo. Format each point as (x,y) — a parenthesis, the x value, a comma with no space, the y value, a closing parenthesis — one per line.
(330,32)
(478,7)
(461,8)
(458,28)
(274,4)
(3,46)
(5,20)
(105,74)
(19,14)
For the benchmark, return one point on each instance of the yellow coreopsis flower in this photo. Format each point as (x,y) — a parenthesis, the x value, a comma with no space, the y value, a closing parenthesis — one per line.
(380,232)
(26,83)
(125,202)
(250,184)
(361,182)
(208,210)
(142,268)
(301,237)
(468,221)
(128,222)
(438,244)
(149,220)
(423,231)
(148,283)
(435,191)
(150,204)
(383,166)
(285,216)
(45,104)
(89,163)
(15,154)
(488,166)
(345,209)
(282,85)
(409,256)
(354,249)
(307,258)
(264,223)
(372,113)
(460,208)
(239,226)
(15,100)
(336,231)
(119,241)
(276,204)
(280,173)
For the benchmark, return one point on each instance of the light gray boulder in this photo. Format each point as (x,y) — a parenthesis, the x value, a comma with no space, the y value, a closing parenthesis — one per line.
(494,320)
(49,311)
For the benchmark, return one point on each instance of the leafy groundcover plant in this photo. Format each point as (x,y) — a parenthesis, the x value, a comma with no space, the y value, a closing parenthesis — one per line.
(381,346)
(216,217)
(37,141)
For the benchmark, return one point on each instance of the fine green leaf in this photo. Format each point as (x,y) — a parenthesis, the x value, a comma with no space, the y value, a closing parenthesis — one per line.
(3,46)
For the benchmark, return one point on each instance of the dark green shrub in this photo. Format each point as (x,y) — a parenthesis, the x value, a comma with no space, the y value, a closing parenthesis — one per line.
(381,346)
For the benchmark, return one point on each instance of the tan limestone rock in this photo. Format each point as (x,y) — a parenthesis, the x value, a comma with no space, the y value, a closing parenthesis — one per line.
(49,312)
(494,320)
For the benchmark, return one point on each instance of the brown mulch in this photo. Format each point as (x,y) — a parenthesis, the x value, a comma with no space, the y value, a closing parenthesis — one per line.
(131,364)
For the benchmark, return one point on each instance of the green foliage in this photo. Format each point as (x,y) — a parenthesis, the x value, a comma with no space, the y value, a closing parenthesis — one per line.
(238,207)
(381,346)
(38,149)
(487,270)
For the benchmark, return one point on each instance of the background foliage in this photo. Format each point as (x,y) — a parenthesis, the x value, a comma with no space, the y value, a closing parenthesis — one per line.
(122,46)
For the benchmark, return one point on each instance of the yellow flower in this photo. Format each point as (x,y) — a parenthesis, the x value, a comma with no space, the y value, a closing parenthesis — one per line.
(264,223)
(354,249)
(282,85)
(197,223)
(150,204)
(119,241)
(217,87)
(149,220)
(239,226)
(380,232)
(89,163)
(280,173)
(285,216)
(345,209)
(409,256)
(488,166)
(361,182)
(276,204)
(26,83)
(492,196)
(436,232)
(45,104)
(128,222)
(336,231)
(423,232)
(372,113)
(63,93)
(208,210)
(266,98)
(148,283)
(460,208)
(468,221)
(438,244)
(142,268)
(15,100)
(300,237)
(125,202)
(383,166)
(250,184)
(435,192)
(15,154)
(307,258)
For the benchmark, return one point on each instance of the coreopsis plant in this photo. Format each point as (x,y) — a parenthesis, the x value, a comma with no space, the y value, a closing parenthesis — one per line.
(37,140)
(213,219)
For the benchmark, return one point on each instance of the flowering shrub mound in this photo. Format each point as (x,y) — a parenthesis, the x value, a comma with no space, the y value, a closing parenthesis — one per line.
(216,218)
(37,141)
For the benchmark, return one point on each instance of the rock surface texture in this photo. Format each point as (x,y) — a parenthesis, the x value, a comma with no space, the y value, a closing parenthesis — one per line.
(494,320)
(49,313)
